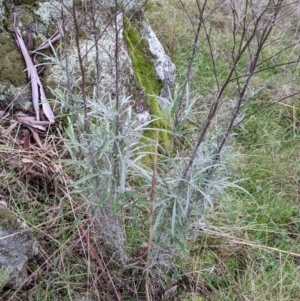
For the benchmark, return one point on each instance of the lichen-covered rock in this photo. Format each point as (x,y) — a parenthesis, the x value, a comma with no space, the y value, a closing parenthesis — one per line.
(69,68)
(48,11)
(99,62)
(16,248)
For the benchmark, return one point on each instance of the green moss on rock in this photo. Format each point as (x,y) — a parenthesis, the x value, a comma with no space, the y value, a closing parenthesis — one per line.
(8,221)
(12,64)
(4,278)
(195,297)
(146,76)
(26,18)
(26,2)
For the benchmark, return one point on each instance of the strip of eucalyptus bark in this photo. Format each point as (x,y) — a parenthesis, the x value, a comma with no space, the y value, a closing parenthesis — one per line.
(36,85)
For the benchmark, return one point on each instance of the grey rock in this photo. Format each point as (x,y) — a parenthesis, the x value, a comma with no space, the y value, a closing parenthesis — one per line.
(16,248)
(127,5)
(17,96)
(143,117)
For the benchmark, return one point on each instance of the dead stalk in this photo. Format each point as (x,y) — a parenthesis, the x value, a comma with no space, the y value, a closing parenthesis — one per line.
(262,27)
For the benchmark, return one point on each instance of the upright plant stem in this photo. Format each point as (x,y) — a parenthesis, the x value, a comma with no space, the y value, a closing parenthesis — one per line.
(191,62)
(116,147)
(247,37)
(95,34)
(152,199)
(82,70)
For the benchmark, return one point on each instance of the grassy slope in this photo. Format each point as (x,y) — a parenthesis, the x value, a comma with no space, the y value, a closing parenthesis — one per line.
(247,255)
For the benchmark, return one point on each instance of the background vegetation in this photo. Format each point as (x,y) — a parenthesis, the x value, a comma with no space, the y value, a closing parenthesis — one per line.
(249,250)
(214,217)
